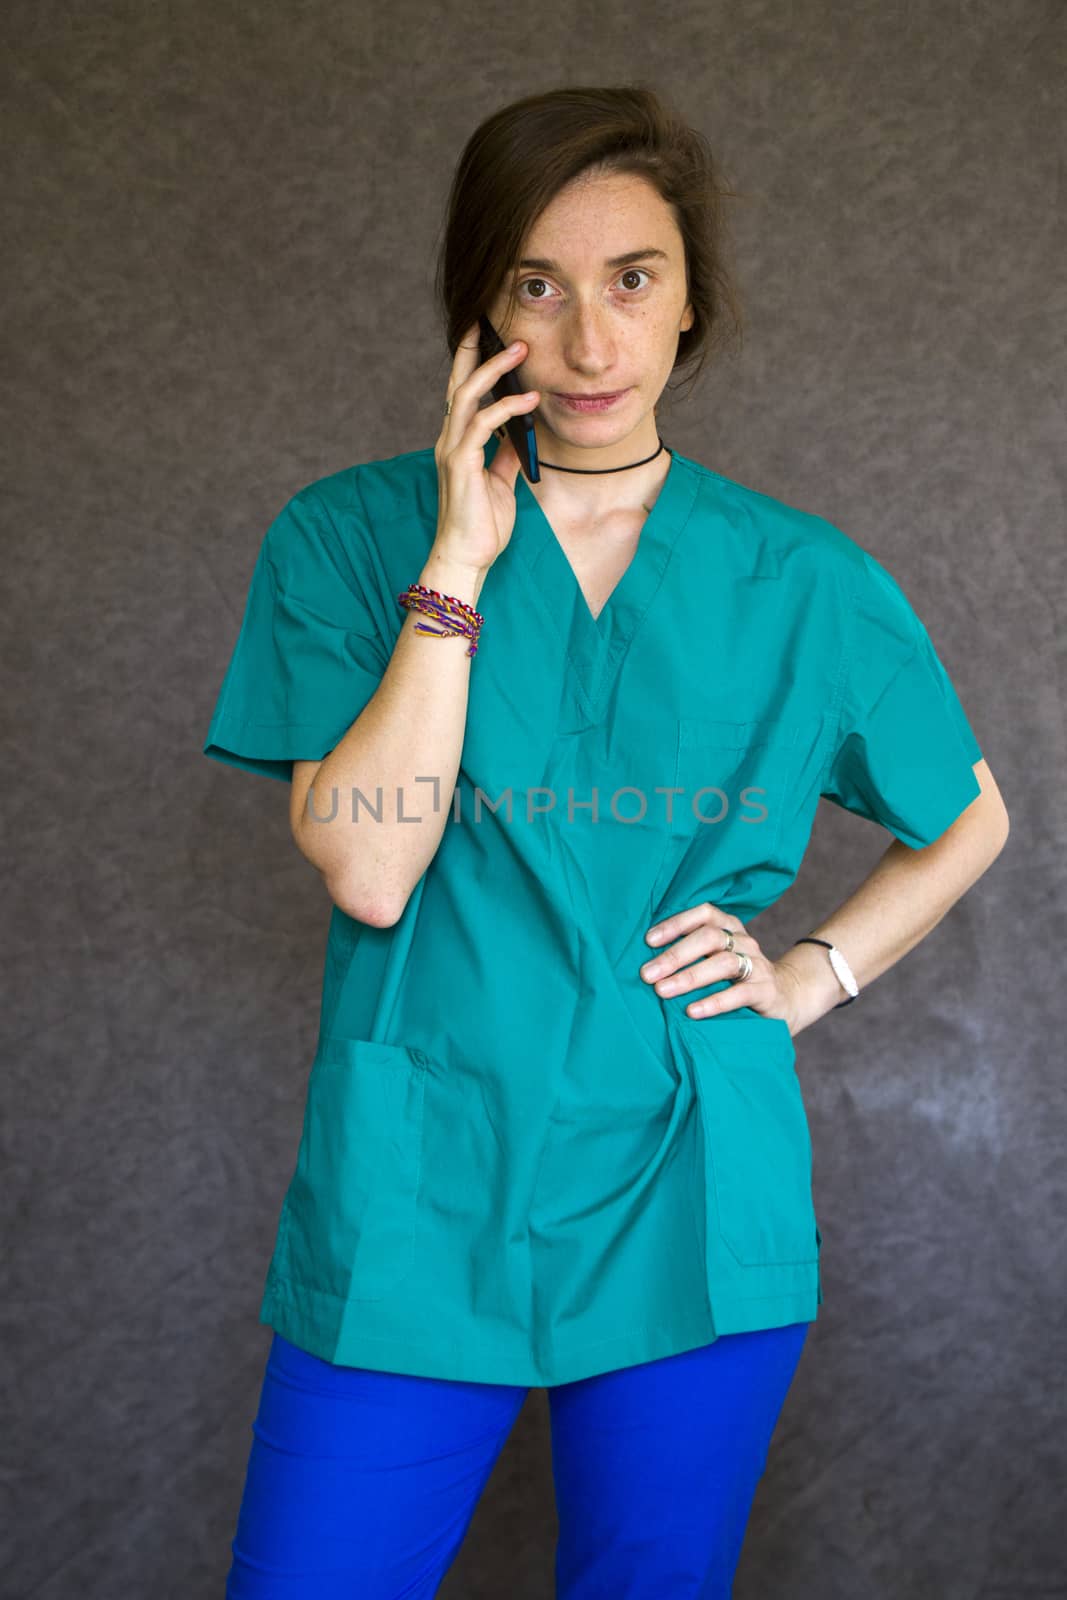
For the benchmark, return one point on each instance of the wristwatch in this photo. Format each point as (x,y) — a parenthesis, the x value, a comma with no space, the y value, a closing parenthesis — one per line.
(841,968)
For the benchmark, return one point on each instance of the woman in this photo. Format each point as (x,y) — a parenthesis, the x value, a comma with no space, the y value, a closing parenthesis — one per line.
(529,726)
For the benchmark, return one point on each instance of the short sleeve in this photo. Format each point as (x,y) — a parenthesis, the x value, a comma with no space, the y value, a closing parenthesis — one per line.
(903,750)
(308,656)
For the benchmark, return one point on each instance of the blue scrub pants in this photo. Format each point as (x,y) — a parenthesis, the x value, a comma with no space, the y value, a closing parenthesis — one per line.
(362,1484)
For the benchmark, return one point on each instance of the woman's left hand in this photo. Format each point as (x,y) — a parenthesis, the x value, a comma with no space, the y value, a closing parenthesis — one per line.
(699,957)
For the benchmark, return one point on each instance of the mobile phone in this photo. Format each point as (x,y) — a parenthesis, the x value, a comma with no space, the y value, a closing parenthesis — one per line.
(520,428)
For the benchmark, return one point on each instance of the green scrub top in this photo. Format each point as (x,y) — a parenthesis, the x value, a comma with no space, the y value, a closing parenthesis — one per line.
(518,1163)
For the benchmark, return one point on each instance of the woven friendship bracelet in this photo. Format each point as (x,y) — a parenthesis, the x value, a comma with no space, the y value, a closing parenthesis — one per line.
(458,617)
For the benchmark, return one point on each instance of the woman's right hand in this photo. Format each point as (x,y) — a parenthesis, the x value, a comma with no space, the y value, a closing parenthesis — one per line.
(476,504)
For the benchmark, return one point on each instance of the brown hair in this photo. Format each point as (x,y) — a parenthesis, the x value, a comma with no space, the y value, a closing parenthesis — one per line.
(520,157)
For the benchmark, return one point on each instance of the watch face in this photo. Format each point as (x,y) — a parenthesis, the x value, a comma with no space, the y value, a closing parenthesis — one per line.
(844,973)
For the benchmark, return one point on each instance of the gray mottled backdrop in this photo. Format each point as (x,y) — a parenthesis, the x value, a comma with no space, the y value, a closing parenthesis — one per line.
(218,245)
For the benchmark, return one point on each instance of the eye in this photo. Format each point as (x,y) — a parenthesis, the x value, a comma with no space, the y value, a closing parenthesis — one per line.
(628,273)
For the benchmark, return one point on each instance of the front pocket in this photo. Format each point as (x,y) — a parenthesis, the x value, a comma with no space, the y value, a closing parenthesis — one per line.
(348,1221)
(757,1144)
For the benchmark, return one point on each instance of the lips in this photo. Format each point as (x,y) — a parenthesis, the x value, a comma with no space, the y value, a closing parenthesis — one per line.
(592,402)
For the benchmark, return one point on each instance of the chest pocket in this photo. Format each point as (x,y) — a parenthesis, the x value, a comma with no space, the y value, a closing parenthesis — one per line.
(738,783)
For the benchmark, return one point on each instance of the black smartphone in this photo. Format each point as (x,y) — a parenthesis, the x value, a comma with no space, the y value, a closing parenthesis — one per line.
(520,428)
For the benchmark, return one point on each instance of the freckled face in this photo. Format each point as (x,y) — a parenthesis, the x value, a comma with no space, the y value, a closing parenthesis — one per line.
(595,323)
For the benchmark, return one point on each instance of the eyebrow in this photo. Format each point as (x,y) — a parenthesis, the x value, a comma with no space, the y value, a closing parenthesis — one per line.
(613,261)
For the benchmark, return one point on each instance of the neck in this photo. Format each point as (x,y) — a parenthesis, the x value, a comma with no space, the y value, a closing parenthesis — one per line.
(595,490)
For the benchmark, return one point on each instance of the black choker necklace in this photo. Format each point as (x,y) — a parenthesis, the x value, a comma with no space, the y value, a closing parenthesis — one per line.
(626,468)
(652,457)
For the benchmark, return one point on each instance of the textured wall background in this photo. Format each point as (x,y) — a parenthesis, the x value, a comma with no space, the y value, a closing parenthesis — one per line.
(220,223)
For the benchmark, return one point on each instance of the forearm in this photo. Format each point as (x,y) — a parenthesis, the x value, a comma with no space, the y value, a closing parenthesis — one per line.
(902,900)
(411,729)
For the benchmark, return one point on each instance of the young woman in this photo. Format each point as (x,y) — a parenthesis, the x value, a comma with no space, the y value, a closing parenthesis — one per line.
(552,746)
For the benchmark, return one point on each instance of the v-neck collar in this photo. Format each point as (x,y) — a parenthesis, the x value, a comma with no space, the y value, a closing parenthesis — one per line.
(597,645)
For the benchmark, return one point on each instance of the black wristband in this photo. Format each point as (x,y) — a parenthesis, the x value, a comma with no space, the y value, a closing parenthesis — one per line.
(811,939)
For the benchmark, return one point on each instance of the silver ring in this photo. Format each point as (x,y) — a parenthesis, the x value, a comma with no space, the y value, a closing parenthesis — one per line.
(729,939)
(745,969)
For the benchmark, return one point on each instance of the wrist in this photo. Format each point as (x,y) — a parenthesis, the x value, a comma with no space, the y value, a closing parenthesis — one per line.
(811,986)
(460,579)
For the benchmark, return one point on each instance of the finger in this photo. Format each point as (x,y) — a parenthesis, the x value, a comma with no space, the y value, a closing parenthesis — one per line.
(505,464)
(745,993)
(759,985)
(693,916)
(468,358)
(467,351)
(463,362)
(486,374)
(476,379)
(703,956)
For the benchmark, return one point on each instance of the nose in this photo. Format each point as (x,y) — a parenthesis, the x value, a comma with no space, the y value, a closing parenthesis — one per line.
(588,342)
